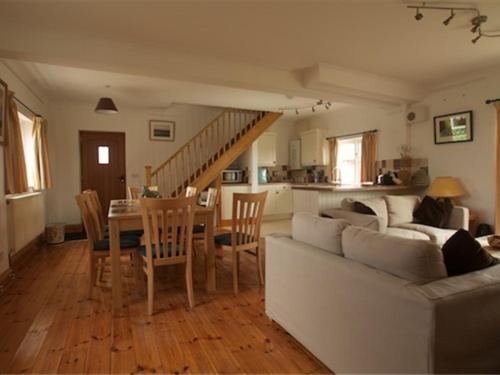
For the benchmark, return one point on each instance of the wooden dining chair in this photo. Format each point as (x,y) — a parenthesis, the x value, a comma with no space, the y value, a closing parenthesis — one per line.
(245,231)
(99,247)
(191,191)
(133,192)
(168,237)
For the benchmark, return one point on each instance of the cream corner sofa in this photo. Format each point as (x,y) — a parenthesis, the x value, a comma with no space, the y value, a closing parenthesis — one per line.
(394,216)
(365,302)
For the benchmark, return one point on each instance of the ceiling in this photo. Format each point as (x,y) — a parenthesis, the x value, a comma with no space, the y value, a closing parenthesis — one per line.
(379,37)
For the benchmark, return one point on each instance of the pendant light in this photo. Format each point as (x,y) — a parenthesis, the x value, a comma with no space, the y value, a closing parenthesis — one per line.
(106,106)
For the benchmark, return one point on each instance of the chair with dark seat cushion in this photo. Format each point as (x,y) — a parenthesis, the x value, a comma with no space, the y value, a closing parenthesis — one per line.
(126,242)
(224,239)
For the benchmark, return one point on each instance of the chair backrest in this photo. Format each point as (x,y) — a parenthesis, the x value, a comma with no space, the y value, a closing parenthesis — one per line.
(95,210)
(247,217)
(168,227)
(134,192)
(190,191)
(212,197)
(83,202)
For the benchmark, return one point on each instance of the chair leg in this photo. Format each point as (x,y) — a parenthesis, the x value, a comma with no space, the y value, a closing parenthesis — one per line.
(189,283)
(92,273)
(151,289)
(235,272)
(259,265)
(137,261)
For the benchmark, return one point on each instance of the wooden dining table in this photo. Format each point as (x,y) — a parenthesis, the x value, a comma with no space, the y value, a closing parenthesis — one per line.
(125,214)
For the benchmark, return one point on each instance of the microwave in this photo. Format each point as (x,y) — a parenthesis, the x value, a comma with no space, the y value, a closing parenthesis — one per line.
(232,175)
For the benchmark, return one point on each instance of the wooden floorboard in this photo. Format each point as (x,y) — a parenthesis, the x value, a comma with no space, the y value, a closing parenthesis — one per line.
(49,324)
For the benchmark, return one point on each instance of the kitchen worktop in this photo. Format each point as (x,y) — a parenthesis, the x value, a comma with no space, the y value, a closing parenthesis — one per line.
(353,188)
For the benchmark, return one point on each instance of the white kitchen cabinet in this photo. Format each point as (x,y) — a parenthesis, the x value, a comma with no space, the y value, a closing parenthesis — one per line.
(279,199)
(267,149)
(227,198)
(294,155)
(314,148)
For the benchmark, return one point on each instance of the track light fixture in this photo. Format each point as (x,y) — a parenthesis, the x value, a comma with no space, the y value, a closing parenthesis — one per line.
(317,105)
(478,20)
(448,20)
(418,15)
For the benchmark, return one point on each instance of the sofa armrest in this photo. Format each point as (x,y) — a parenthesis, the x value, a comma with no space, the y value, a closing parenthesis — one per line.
(459,218)
(354,218)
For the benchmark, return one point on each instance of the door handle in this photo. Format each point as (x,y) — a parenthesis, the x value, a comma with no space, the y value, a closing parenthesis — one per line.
(122,179)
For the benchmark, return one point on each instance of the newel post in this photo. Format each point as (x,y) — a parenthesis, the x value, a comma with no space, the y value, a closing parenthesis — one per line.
(149,177)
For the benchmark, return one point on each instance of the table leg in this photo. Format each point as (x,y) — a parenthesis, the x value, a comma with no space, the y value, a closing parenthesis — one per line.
(116,281)
(210,251)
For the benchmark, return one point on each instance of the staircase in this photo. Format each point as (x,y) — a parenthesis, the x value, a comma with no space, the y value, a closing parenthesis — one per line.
(201,160)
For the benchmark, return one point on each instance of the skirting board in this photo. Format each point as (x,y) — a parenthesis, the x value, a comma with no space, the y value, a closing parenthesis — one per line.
(73,228)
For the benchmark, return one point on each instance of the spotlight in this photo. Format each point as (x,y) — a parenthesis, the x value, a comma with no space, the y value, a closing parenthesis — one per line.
(297,112)
(447,21)
(418,15)
(475,28)
(476,39)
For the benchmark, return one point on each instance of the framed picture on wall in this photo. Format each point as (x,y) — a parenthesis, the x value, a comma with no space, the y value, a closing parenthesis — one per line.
(453,128)
(3,110)
(161,130)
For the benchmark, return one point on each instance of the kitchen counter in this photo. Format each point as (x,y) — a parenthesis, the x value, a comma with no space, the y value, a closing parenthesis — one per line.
(355,188)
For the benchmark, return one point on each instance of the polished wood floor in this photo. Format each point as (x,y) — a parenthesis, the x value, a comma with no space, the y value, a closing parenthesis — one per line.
(48,324)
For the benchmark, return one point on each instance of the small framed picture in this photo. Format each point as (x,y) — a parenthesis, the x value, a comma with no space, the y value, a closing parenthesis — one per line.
(453,128)
(3,110)
(161,130)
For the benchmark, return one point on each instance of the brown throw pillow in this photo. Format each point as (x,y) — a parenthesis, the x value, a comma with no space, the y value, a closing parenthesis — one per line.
(463,254)
(433,213)
(361,208)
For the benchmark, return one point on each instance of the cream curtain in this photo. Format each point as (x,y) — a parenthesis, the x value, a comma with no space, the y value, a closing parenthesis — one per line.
(43,179)
(16,180)
(497,211)
(333,158)
(368,156)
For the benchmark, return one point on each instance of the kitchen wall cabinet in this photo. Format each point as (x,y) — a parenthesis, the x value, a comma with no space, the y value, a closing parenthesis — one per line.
(266,145)
(314,148)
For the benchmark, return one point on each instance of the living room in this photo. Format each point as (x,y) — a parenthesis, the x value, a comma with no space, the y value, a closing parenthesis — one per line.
(368,131)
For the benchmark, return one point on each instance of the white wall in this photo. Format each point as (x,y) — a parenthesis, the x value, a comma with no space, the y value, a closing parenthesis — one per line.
(69,117)
(15,83)
(392,132)
(472,162)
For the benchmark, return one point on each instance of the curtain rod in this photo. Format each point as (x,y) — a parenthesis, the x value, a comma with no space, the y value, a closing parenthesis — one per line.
(25,106)
(353,134)
(489,101)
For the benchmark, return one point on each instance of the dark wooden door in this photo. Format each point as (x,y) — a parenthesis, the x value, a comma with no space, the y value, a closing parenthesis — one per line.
(102,156)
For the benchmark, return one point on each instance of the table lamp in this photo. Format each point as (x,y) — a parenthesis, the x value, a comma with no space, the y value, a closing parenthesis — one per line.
(446,188)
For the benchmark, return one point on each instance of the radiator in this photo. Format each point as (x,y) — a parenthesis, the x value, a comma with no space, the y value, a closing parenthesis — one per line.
(25,219)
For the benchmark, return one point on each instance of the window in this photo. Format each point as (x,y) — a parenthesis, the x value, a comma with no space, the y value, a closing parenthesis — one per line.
(349,161)
(103,155)
(29,150)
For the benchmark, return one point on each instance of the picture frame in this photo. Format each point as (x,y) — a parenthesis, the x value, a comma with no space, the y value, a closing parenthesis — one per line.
(3,110)
(161,130)
(454,128)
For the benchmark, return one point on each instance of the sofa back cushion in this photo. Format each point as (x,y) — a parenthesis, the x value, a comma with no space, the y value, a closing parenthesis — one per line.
(414,260)
(324,233)
(400,208)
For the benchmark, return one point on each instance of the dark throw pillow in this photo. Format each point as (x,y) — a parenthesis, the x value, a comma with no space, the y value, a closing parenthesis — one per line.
(463,254)
(361,208)
(433,213)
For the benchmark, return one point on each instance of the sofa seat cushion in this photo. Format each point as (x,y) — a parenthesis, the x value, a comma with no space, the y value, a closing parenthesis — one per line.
(407,233)
(320,232)
(126,242)
(400,208)
(414,260)
(436,235)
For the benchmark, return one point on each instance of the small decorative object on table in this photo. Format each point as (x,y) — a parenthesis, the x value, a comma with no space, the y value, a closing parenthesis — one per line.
(452,128)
